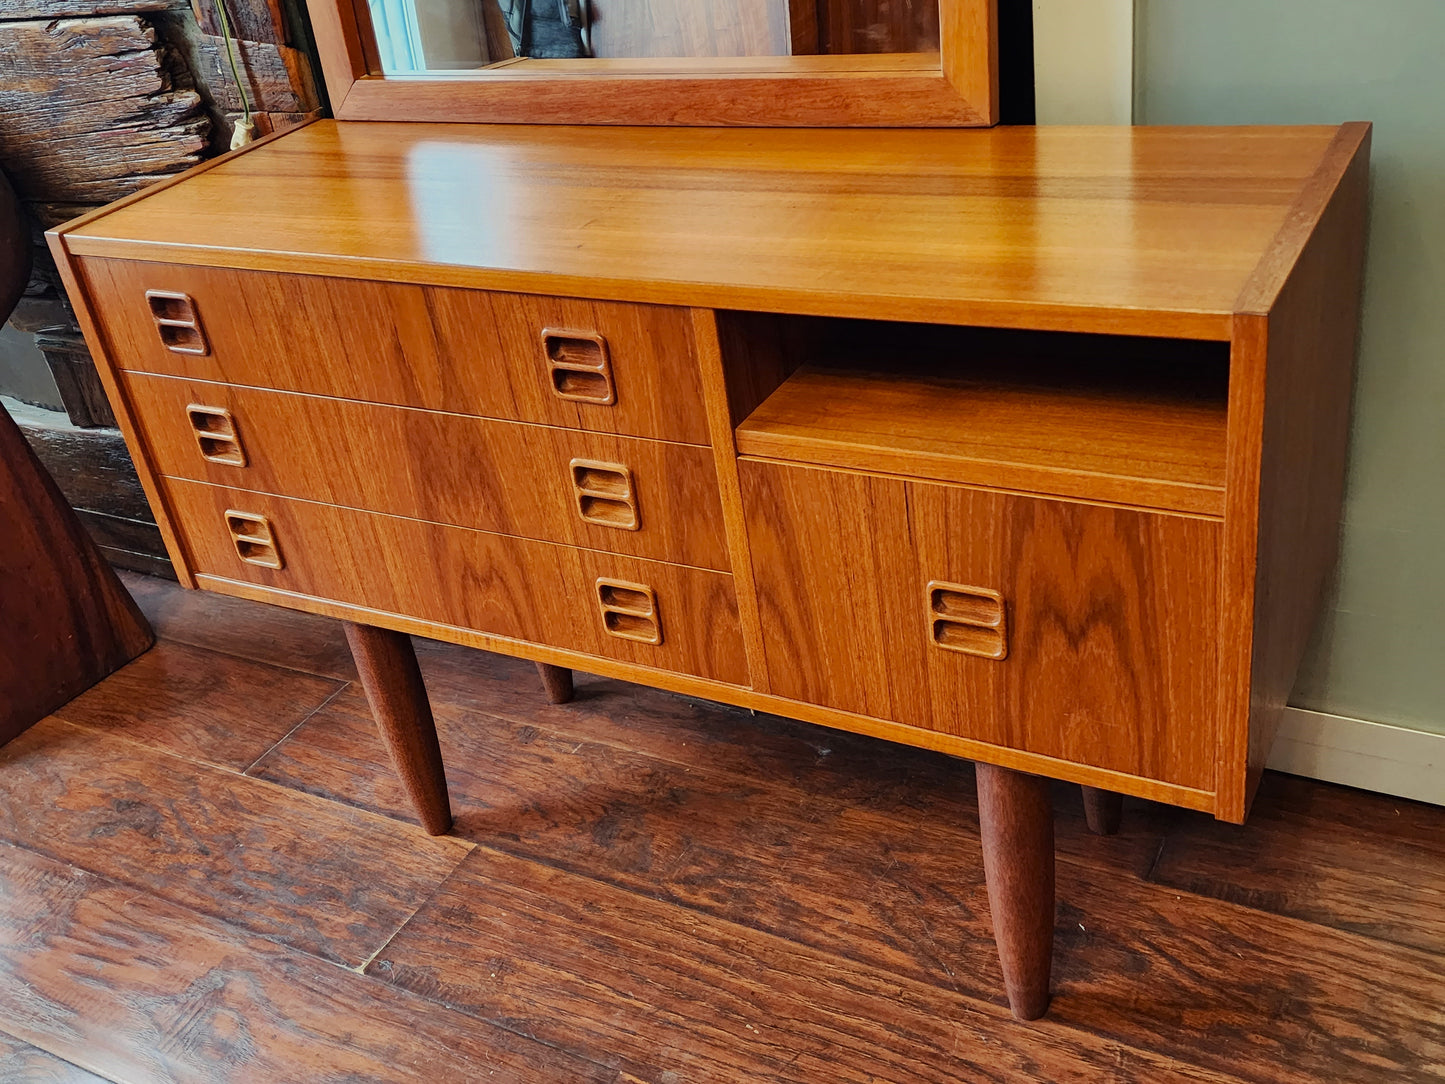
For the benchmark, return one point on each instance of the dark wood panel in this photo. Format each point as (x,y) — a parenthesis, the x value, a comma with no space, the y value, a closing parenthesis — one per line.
(330,880)
(264,634)
(1109,615)
(441,349)
(65,621)
(505,477)
(24,1064)
(532,591)
(200,704)
(673,995)
(798,847)
(1367,863)
(144,990)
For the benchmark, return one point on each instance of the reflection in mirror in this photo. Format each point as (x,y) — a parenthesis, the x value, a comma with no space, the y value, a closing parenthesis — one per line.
(448,35)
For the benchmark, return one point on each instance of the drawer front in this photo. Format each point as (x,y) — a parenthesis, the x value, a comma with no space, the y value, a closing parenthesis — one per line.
(1080,632)
(645,612)
(624,494)
(607,366)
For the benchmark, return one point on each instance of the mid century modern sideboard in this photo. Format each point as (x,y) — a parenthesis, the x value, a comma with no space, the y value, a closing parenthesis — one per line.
(1026,445)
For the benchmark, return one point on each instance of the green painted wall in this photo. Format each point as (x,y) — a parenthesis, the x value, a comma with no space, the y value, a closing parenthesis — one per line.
(1379,652)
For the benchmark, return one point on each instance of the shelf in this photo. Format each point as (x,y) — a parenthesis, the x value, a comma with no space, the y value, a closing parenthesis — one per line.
(1138,422)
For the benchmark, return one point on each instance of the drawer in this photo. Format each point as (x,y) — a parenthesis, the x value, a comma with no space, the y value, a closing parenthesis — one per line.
(624,494)
(1081,632)
(645,612)
(603,366)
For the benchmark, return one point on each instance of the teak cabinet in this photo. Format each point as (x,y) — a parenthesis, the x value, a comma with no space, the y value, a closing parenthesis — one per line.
(1023,445)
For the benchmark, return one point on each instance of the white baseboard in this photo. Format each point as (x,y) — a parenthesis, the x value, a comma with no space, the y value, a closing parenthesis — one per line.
(1371,756)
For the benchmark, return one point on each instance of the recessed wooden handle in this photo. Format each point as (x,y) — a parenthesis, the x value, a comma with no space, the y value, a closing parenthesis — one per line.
(605,494)
(970,620)
(629,611)
(178,322)
(254,540)
(578,366)
(216,433)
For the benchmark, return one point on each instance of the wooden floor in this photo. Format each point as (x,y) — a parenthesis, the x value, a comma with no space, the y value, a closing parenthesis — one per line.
(207,874)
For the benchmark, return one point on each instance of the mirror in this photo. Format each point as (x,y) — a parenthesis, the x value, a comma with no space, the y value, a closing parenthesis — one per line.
(419,36)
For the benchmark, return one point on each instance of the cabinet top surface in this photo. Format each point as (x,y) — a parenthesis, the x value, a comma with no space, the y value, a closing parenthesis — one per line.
(1146,230)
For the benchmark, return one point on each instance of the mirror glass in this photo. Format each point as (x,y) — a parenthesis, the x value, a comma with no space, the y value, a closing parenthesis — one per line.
(452,35)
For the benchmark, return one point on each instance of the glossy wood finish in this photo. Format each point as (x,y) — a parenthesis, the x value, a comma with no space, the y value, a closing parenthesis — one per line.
(1039,228)
(387,666)
(534,592)
(1291,378)
(1104,810)
(956,86)
(1112,615)
(1016,827)
(1100,421)
(463,351)
(556,683)
(388,459)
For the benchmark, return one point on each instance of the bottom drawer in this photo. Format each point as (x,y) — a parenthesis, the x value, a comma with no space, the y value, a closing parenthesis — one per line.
(668,616)
(1081,632)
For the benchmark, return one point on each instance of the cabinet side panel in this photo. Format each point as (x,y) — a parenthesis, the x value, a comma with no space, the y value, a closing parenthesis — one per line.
(1290,389)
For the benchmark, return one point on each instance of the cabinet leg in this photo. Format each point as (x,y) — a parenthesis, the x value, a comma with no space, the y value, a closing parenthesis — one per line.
(556,682)
(393,683)
(1016,822)
(1103,809)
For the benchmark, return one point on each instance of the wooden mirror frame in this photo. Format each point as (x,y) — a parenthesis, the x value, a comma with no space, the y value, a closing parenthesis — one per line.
(956,87)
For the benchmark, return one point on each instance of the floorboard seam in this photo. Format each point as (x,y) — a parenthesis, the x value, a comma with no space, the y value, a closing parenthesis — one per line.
(306,719)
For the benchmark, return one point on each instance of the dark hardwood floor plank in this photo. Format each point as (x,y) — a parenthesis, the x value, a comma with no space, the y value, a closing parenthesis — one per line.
(674,995)
(1368,863)
(200,704)
(143,991)
(319,876)
(900,890)
(21,1063)
(247,630)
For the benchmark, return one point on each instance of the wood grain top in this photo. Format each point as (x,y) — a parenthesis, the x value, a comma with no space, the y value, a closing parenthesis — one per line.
(1130,230)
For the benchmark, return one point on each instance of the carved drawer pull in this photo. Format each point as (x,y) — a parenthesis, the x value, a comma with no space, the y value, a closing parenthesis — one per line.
(254,540)
(605,495)
(578,365)
(178,322)
(629,611)
(216,433)
(967,619)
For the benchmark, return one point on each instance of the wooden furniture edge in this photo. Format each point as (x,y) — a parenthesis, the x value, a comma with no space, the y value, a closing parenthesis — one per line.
(735,695)
(968,47)
(1246,717)
(708,347)
(80,222)
(120,404)
(1026,316)
(1278,259)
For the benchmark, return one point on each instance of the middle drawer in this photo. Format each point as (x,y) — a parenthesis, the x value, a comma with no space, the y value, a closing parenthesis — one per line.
(622,494)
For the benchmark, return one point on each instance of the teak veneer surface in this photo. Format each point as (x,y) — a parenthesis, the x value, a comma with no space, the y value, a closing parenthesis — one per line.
(1136,230)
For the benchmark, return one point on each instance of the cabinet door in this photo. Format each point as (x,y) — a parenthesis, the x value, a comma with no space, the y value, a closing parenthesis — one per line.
(1082,632)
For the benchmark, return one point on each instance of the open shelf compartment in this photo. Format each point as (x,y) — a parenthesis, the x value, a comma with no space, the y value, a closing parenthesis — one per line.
(1122,420)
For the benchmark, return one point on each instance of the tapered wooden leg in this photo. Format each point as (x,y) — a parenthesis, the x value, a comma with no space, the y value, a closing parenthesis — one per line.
(393,683)
(1104,810)
(1016,822)
(556,682)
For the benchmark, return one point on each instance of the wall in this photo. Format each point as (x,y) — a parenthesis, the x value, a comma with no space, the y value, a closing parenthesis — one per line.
(1379,653)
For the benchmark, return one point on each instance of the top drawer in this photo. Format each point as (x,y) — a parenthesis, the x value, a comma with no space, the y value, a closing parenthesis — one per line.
(599,365)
